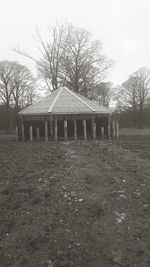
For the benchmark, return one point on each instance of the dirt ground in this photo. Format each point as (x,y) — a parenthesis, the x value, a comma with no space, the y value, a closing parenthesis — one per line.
(75,204)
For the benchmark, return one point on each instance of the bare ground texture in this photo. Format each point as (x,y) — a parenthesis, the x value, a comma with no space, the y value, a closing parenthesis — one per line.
(75,204)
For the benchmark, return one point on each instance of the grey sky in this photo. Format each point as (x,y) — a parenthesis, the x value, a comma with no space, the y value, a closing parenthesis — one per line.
(123,26)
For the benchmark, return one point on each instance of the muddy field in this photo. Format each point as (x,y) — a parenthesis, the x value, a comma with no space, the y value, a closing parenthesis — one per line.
(82,204)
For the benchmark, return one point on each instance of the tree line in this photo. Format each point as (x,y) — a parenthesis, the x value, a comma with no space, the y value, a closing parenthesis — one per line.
(17,88)
(133,99)
(70,57)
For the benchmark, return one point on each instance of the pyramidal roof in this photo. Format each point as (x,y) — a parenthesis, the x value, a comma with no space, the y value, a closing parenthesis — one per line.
(64,101)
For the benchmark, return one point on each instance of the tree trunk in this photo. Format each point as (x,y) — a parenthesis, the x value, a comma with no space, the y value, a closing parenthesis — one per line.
(141,117)
(134,115)
(8,126)
(16,109)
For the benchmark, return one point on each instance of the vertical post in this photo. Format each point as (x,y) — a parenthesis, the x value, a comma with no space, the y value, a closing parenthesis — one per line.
(84,130)
(55,129)
(51,126)
(113,130)
(102,132)
(65,130)
(75,129)
(109,131)
(108,128)
(117,129)
(31,133)
(46,130)
(38,134)
(17,133)
(22,129)
(93,129)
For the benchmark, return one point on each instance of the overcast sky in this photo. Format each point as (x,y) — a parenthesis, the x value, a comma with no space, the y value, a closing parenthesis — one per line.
(123,26)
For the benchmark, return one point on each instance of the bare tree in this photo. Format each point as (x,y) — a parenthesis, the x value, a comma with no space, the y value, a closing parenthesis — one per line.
(70,57)
(134,93)
(127,98)
(6,90)
(16,86)
(142,82)
(23,87)
(84,65)
(102,93)
(52,53)
(6,73)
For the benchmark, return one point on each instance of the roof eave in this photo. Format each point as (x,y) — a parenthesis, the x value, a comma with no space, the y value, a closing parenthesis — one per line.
(62,113)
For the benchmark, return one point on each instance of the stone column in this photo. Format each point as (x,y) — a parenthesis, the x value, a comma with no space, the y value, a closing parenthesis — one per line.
(117,129)
(102,132)
(51,126)
(75,129)
(46,130)
(55,130)
(31,133)
(84,130)
(65,130)
(94,129)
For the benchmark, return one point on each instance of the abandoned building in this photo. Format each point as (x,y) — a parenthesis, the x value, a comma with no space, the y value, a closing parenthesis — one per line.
(64,115)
